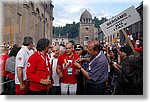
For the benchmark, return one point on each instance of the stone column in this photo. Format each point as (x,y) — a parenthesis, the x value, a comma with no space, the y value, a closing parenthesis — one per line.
(33,29)
(39,27)
(36,29)
(25,20)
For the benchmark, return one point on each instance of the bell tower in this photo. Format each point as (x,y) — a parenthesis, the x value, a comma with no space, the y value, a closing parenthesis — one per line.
(86,27)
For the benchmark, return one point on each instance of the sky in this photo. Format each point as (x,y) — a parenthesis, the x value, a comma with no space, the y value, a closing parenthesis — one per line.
(68,11)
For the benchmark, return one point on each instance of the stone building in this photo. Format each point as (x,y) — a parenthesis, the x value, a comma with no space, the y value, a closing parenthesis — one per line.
(27,18)
(87,29)
(57,40)
(137,29)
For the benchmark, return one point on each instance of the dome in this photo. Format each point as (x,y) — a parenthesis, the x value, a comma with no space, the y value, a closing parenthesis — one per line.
(86,14)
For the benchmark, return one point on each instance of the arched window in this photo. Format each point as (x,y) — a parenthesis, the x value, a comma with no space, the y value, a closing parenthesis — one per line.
(32,6)
(84,20)
(45,19)
(87,20)
(37,11)
(42,15)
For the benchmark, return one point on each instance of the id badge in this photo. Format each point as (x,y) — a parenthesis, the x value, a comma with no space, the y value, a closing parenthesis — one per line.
(69,71)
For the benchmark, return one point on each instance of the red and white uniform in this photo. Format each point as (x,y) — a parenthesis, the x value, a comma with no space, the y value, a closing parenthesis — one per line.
(38,69)
(68,68)
(21,61)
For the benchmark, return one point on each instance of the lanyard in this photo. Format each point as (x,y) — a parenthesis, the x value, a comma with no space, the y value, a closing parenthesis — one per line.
(44,58)
(95,58)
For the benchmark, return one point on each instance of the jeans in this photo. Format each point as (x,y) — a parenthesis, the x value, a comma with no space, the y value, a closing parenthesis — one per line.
(95,89)
(12,87)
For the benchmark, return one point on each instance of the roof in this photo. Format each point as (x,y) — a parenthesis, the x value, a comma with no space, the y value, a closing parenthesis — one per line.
(86,14)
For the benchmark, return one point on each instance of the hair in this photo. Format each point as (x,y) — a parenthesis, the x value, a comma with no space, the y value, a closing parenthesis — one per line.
(69,43)
(42,44)
(62,49)
(5,49)
(27,40)
(126,49)
(57,47)
(14,51)
(97,45)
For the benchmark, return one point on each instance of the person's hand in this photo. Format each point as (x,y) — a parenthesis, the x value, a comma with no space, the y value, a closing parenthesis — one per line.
(77,71)
(45,81)
(79,60)
(115,65)
(60,74)
(22,86)
(77,65)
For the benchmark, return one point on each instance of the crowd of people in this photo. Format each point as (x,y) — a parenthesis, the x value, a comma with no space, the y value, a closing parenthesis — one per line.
(71,69)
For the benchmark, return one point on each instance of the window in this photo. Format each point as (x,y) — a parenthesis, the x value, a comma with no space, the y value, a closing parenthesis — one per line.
(86,38)
(86,28)
(56,43)
(63,43)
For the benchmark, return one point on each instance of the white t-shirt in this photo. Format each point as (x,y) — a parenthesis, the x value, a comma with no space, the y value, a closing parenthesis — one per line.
(55,76)
(21,61)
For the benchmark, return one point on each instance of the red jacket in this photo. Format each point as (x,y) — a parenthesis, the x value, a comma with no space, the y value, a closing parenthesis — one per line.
(38,69)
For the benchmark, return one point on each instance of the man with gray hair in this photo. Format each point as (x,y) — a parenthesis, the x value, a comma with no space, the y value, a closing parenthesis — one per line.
(56,80)
(21,65)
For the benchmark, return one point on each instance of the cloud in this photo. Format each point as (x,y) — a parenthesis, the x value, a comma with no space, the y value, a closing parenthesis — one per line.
(66,11)
(62,22)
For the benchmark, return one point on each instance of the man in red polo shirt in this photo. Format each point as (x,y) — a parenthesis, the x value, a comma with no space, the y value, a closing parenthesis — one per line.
(67,71)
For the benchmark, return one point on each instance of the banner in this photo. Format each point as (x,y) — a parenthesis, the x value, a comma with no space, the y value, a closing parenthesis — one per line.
(122,20)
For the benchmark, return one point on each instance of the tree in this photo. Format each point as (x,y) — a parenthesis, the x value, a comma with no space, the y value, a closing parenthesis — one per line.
(71,29)
(99,22)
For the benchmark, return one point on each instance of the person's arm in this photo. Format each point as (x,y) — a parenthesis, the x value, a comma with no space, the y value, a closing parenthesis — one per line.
(85,73)
(59,72)
(116,66)
(31,72)
(20,77)
(58,68)
(83,59)
(20,59)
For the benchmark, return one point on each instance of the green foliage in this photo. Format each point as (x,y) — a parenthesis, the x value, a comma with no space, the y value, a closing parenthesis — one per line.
(99,22)
(72,30)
